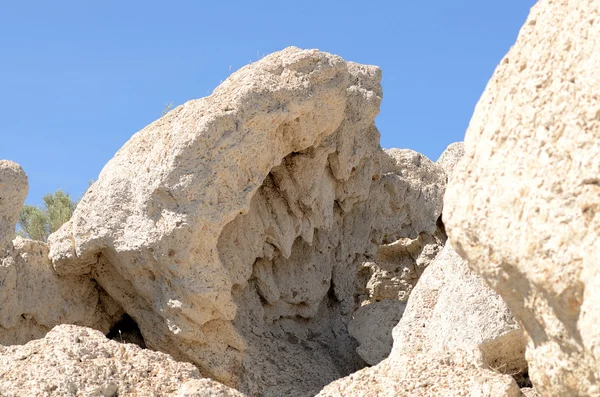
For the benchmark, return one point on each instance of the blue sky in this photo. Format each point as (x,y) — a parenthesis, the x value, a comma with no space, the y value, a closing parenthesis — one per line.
(78,78)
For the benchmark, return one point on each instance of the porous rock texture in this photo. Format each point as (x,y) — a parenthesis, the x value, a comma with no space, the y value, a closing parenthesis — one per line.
(33,299)
(452,308)
(523,206)
(78,361)
(231,229)
(450,157)
(440,374)
(13,191)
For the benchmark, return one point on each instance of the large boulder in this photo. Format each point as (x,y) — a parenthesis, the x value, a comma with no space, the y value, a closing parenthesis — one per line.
(13,191)
(231,229)
(452,308)
(78,361)
(523,205)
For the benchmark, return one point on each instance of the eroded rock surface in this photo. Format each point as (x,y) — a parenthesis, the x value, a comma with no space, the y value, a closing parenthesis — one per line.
(33,299)
(523,206)
(13,191)
(231,229)
(450,157)
(452,308)
(441,374)
(78,361)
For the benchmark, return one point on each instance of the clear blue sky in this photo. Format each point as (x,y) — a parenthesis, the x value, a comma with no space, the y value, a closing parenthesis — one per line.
(78,78)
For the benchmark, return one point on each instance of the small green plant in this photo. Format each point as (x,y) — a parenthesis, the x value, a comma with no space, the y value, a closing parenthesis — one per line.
(37,223)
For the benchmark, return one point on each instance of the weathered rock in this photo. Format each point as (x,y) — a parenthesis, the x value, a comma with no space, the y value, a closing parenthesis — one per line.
(397,267)
(77,361)
(372,326)
(448,160)
(13,191)
(231,229)
(206,388)
(442,374)
(33,299)
(523,206)
(452,308)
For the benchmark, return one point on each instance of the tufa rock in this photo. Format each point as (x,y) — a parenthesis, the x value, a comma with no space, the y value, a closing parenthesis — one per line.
(372,326)
(77,361)
(231,229)
(441,374)
(33,299)
(452,308)
(524,205)
(13,191)
(451,156)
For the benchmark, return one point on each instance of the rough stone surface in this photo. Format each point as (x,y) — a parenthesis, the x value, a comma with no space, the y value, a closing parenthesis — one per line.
(452,308)
(448,160)
(232,228)
(523,206)
(207,388)
(13,191)
(372,326)
(33,299)
(78,361)
(442,374)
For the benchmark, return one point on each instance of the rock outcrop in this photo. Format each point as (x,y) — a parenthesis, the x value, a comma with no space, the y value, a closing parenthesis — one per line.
(441,374)
(523,205)
(13,191)
(33,299)
(231,229)
(452,308)
(450,157)
(78,361)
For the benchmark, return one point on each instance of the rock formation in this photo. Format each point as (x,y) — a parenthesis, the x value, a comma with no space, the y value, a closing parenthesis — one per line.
(523,205)
(13,191)
(231,229)
(33,299)
(77,361)
(452,308)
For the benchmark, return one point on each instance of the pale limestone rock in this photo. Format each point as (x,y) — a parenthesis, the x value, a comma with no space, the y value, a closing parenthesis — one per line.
(441,374)
(78,361)
(451,156)
(523,205)
(13,191)
(231,229)
(372,326)
(33,299)
(206,388)
(452,308)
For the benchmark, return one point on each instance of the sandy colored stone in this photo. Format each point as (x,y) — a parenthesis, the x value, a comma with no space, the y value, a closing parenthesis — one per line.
(78,361)
(13,191)
(232,228)
(206,388)
(372,326)
(450,157)
(442,374)
(33,299)
(523,206)
(451,307)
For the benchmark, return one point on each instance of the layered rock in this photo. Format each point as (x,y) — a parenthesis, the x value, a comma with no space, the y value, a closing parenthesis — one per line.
(231,229)
(523,205)
(78,361)
(13,191)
